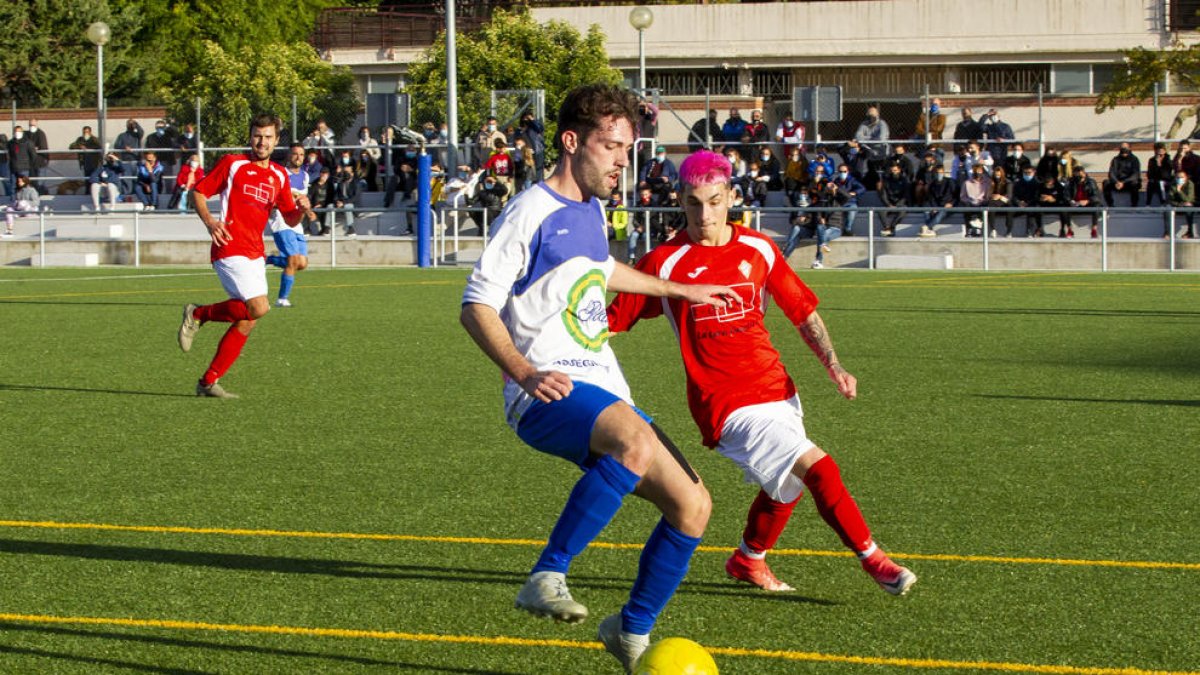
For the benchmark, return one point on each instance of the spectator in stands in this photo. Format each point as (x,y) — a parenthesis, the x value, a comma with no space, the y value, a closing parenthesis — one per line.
(637,224)
(1124,175)
(795,174)
(38,135)
(524,164)
(535,135)
(1049,166)
(22,158)
(967,130)
(1051,193)
(1082,193)
(371,146)
(1025,195)
(485,140)
(769,166)
(25,202)
(1015,162)
(404,178)
(873,134)
(828,219)
(127,144)
(758,129)
(149,177)
(5,174)
(490,194)
(659,175)
(618,219)
(321,195)
(999,134)
(739,167)
(345,196)
(821,160)
(856,157)
(499,165)
(191,173)
(934,123)
(106,178)
(974,193)
(673,219)
(186,142)
(705,131)
(852,188)
(734,127)
(941,193)
(92,156)
(1067,165)
(908,163)
(646,126)
(1187,161)
(1159,174)
(312,165)
(755,188)
(162,142)
(366,170)
(322,140)
(790,133)
(894,190)
(968,158)
(924,176)
(1181,195)
(1001,197)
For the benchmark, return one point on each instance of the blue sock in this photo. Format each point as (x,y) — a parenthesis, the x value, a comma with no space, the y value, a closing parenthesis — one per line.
(663,565)
(592,504)
(285,285)
(277,261)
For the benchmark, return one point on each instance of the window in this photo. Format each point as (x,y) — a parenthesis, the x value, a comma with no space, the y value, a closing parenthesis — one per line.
(1071,78)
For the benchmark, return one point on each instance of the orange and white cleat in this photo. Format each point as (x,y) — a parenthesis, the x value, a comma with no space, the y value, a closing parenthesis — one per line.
(891,577)
(744,568)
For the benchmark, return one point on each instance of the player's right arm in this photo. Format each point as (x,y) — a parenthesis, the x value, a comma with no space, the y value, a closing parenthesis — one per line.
(484,326)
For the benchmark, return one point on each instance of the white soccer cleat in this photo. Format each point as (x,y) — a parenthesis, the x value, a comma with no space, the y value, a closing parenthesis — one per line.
(188,327)
(817,265)
(545,594)
(283,302)
(626,647)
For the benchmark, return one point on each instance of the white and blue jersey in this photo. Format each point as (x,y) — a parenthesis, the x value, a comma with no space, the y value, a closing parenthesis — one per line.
(299,184)
(545,272)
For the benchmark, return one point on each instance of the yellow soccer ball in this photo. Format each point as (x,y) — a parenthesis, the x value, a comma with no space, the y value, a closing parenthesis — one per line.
(675,656)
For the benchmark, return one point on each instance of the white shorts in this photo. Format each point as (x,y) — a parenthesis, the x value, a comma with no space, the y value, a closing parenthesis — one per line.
(765,440)
(242,277)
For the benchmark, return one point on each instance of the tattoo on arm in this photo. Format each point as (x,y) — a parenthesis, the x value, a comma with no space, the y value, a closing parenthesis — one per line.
(817,337)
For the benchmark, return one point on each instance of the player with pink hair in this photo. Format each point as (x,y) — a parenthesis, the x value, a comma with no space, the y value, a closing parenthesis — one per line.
(739,393)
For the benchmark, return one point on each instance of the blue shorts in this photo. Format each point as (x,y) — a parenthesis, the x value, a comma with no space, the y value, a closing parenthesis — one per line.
(289,243)
(563,428)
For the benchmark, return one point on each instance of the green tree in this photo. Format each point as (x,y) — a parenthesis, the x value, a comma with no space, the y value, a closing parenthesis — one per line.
(512,51)
(48,61)
(233,86)
(1145,68)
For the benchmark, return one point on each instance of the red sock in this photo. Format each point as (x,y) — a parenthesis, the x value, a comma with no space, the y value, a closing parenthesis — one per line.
(836,506)
(766,521)
(229,311)
(228,351)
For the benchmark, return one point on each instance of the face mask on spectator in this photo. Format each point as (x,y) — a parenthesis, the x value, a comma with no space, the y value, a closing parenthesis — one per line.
(843,175)
(130,127)
(491,127)
(463,175)
(33,128)
(1063,162)
(661,156)
(160,130)
(410,153)
(346,161)
(1180,181)
(87,134)
(934,109)
(1124,151)
(753,173)
(443,134)
(19,135)
(194,164)
(764,157)
(1027,177)
(873,118)
(938,176)
(1018,152)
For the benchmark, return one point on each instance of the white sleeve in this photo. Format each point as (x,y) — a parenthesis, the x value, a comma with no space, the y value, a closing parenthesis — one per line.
(504,260)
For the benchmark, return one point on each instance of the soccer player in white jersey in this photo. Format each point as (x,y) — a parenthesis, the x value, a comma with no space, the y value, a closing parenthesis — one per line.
(250,185)
(739,393)
(535,305)
(289,239)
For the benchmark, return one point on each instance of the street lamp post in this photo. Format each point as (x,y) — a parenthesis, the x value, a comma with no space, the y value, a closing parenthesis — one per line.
(641,18)
(98,33)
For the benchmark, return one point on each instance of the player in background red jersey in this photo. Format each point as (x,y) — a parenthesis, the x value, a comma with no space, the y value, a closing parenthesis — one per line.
(739,393)
(250,186)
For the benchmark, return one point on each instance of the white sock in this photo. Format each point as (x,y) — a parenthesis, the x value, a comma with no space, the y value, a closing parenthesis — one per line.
(863,555)
(750,553)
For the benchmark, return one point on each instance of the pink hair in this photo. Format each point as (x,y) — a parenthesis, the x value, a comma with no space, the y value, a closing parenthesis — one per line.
(704,167)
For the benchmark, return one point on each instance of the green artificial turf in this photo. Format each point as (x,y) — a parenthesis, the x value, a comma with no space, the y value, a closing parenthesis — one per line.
(1041,416)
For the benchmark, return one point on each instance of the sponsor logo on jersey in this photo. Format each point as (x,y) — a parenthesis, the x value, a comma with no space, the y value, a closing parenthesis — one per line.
(696,272)
(746,291)
(585,317)
(745,268)
(263,194)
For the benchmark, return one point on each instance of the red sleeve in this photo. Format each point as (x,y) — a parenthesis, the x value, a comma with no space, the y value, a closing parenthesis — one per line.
(211,184)
(627,308)
(792,295)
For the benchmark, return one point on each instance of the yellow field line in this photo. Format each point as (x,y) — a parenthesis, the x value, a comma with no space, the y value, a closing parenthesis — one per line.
(490,541)
(505,641)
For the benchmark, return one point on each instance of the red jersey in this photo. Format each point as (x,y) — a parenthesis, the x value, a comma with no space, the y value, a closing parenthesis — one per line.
(499,164)
(248,193)
(727,353)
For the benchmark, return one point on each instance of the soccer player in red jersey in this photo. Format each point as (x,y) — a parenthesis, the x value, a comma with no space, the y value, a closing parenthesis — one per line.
(739,393)
(250,185)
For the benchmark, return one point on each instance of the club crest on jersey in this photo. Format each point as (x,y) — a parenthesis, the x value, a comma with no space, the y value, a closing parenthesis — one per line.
(585,317)
(745,268)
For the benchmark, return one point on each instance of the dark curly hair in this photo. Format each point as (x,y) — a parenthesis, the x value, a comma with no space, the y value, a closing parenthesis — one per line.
(584,107)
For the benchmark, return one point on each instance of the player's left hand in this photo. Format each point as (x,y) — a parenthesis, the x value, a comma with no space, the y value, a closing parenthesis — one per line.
(708,294)
(847,384)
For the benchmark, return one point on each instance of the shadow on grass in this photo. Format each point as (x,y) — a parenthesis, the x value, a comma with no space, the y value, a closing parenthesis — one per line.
(200,644)
(1190,403)
(98,303)
(90,660)
(86,390)
(356,569)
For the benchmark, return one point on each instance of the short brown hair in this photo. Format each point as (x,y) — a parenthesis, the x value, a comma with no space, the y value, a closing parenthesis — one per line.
(584,107)
(266,120)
